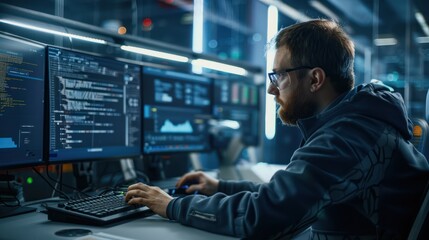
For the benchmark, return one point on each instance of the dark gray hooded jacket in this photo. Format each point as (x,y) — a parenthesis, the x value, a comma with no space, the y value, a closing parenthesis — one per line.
(355,176)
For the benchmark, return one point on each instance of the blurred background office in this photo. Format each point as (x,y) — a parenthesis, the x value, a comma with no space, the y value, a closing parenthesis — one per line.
(391,38)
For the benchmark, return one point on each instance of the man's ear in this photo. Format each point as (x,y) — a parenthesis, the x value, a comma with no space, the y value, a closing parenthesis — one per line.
(318,78)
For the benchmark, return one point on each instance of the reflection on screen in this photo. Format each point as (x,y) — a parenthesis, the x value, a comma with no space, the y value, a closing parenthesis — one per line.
(176,111)
(237,100)
(94,106)
(21,102)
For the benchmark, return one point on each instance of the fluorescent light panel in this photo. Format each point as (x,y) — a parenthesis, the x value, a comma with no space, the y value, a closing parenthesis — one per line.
(325,10)
(198,31)
(423,39)
(198,27)
(270,105)
(287,10)
(58,33)
(219,66)
(230,124)
(421,20)
(385,41)
(153,53)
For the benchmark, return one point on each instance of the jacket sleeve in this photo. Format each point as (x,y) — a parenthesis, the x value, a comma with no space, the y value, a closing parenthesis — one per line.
(231,187)
(318,176)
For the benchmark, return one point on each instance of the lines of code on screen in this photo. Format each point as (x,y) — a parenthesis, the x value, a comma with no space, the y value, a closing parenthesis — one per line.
(94,106)
(21,102)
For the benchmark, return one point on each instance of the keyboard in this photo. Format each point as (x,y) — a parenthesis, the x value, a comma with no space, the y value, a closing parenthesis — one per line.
(96,210)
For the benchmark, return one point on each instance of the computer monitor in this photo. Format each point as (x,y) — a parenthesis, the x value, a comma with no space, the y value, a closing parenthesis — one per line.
(177,107)
(22,70)
(94,107)
(236,109)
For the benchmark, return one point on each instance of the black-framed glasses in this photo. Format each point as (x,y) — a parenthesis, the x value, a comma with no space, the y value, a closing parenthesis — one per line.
(275,77)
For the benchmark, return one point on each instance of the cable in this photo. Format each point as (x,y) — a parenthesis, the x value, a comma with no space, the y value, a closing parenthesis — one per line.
(145,176)
(63,184)
(18,203)
(46,180)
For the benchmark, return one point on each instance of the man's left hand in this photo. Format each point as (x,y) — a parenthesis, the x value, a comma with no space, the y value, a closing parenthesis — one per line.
(153,197)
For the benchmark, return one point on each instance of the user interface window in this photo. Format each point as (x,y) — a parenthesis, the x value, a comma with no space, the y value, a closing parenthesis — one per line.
(177,108)
(22,66)
(94,106)
(238,100)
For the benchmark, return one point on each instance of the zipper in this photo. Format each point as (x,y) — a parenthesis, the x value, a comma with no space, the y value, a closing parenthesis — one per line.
(205,216)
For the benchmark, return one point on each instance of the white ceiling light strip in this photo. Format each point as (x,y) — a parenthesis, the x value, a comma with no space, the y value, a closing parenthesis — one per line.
(153,53)
(198,31)
(270,104)
(219,66)
(385,41)
(58,33)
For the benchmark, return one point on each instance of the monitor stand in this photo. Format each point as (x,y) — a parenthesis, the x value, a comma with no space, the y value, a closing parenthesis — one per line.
(12,211)
(128,170)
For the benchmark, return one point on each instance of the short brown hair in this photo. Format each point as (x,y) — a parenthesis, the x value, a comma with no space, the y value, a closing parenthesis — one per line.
(320,43)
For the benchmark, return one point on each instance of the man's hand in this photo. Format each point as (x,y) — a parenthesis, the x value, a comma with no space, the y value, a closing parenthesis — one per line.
(152,197)
(199,181)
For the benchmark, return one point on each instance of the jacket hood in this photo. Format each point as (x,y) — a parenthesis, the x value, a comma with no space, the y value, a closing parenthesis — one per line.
(374,100)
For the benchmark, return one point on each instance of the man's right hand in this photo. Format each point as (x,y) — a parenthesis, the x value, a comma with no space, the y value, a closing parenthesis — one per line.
(199,181)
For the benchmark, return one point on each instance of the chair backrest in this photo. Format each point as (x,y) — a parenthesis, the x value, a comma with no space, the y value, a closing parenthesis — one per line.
(420,228)
(421,135)
(427,106)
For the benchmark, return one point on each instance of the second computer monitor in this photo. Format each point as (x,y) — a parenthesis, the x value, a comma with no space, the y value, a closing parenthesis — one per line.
(177,107)
(236,100)
(94,107)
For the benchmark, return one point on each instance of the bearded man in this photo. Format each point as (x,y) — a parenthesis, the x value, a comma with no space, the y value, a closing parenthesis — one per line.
(355,175)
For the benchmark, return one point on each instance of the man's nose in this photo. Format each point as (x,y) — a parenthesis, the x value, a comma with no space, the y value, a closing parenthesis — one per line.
(272,89)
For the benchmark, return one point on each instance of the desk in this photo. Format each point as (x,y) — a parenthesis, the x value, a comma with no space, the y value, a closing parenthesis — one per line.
(35,225)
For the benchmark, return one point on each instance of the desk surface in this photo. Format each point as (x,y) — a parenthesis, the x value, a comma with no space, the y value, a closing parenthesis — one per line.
(35,225)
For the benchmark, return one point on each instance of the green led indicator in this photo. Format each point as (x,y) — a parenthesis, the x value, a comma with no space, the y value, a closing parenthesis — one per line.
(29,180)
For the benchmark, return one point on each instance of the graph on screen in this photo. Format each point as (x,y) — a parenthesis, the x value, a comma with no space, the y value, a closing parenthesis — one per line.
(177,108)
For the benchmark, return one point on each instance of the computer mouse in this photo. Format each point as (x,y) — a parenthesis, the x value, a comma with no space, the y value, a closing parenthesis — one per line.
(180,191)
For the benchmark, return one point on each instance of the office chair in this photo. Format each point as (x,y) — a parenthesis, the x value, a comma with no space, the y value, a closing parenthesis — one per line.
(420,135)
(427,106)
(420,228)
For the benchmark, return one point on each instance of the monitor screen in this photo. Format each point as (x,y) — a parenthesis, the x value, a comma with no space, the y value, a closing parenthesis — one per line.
(238,100)
(177,107)
(94,107)
(22,67)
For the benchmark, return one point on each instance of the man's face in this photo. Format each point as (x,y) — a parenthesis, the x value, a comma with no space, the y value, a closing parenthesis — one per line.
(293,93)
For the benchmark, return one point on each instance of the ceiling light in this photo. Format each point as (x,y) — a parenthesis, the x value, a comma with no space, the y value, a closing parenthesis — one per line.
(385,41)
(421,20)
(45,30)
(270,104)
(153,53)
(288,10)
(423,39)
(198,31)
(325,10)
(219,66)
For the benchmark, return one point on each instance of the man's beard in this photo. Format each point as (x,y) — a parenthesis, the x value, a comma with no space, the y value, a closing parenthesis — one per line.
(299,105)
